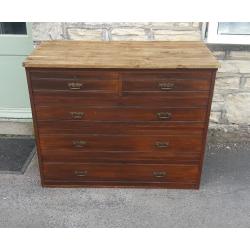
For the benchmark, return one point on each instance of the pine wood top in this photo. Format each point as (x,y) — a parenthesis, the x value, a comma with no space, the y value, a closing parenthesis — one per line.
(127,55)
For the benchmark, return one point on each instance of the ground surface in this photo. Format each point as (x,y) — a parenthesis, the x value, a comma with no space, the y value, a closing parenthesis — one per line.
(222,201)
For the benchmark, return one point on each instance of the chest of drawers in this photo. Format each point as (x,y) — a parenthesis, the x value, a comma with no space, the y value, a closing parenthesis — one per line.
(121,114)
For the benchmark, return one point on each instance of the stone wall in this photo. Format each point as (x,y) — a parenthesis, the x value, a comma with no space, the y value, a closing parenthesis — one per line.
(117,31)
(231,102)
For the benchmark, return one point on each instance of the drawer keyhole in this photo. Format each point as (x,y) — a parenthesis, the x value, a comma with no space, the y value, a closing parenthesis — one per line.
(77,115)
(81,173)
(164,115)
(160,144)
(159,174)
(166,86)
(79,144)
(74,86)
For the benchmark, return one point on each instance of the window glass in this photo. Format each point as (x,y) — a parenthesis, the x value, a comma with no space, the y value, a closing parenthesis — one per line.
(13,28)
(234,28)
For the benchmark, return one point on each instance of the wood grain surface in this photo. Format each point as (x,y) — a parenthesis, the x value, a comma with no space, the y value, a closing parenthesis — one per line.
(114,54)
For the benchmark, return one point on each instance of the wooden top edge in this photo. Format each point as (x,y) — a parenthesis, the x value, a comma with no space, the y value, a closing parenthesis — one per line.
(121,54)
(58,66)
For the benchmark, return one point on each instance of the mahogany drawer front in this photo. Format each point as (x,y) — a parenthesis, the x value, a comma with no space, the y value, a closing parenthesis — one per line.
(121,114)
(161,87)
(147,128)
(143,143)
(161,83)
(119,156)
(174,99)
(73,86)
(85,83)
(122,172)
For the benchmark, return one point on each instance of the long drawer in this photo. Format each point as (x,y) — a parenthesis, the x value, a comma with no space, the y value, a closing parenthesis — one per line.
(169,99)
(146,128)
(118,114)
(119,156)
(144,143)
(123,172)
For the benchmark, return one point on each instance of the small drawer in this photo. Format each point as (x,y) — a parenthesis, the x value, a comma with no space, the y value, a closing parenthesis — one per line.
(163,83)
(121,114)
(74,81)
(143,143)
(121,172)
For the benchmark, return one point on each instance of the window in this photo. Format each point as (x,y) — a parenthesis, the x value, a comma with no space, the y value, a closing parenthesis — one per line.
(13,28)
(228,32)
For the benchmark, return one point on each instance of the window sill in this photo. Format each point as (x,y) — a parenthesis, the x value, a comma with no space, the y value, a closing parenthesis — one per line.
(226,47)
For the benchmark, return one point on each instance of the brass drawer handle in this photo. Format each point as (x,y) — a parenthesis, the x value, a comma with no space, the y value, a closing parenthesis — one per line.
(164,115)
(166,86)
(75,85)
(79,144)
(159,174)
(77,115)
(81,173)
(159,144)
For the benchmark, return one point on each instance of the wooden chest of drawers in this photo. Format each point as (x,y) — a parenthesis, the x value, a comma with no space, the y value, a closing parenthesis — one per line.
(121,114)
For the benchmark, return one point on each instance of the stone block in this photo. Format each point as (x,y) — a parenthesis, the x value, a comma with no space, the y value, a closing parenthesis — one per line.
(214,117)
(225,83)
(47,31)
(196,24)
(86,34)
(219,54)
(247,83)
(183,24)
(163,25)
(237,108)
(240,55)
(217,97)
(217,106)
(133,34)
(244,66)
(176,35)
(228,66)
(235,66)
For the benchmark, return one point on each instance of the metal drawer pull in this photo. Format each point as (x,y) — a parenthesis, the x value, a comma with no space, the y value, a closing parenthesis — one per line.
(166,86)
(159,144)
(74,85)
(79,144)
(164,115)
(77,115)
(81,173)
(159,174)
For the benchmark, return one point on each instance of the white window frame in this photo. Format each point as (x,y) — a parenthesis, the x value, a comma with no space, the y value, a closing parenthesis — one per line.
(213,37)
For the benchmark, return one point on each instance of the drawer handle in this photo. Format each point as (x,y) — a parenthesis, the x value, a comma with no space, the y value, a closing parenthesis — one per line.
(164,115)
(79,144)
(159,174)
(77,115)
(74,86)
(81,173)
(166,86)
(159,144)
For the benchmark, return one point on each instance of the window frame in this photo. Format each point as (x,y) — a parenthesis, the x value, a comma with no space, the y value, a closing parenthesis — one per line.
(213,37)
